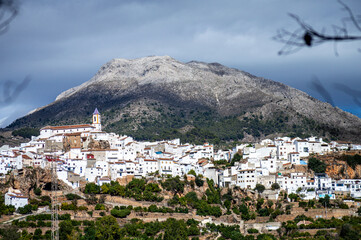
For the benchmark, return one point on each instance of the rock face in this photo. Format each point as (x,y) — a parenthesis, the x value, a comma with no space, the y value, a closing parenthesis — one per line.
(31,178)
(141,95)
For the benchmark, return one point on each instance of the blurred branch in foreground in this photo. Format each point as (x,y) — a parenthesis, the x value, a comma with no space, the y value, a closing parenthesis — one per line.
(317,85)
(8,11)
(308,36)
(11,90)
(355,94)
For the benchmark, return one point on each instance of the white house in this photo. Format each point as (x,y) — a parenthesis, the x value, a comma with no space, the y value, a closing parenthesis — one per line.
(247,178)
(294,158)
(16,198)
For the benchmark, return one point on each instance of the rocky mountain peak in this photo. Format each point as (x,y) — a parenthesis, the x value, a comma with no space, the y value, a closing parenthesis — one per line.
(160,87)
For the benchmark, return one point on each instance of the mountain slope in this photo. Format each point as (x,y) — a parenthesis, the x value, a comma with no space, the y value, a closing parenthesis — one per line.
(159,97)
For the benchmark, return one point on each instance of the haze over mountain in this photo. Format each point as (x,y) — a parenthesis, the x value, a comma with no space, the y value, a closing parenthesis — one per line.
(160,97)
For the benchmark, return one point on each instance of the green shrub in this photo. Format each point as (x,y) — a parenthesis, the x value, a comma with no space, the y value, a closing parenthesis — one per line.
(252,230)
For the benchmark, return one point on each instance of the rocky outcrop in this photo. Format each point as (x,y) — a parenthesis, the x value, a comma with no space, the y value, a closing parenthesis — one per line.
(30,178)
(98,144)
(337,168)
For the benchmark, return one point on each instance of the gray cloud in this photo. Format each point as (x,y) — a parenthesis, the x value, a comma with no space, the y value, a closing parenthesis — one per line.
(62,44)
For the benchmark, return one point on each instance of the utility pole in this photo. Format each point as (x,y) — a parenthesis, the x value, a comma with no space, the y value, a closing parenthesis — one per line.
(54,198)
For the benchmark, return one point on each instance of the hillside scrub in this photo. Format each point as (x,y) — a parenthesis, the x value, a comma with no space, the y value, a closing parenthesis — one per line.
(316,165)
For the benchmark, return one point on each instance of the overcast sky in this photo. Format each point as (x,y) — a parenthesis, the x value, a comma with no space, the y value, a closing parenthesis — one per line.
(61,44)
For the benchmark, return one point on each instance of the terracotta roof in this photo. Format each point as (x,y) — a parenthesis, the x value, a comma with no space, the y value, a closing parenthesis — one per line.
(73,134)
(17,195)
(165,158)
(68,127)
(150,160)
(243,170)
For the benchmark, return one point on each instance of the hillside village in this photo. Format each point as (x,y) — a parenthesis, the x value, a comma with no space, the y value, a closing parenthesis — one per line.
(84,153)
(169,190)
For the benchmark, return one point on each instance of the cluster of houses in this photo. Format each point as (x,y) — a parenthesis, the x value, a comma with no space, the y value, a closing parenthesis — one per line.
(86,153)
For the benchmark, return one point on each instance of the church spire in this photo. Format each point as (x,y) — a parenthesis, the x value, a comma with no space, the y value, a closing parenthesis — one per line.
(97,120)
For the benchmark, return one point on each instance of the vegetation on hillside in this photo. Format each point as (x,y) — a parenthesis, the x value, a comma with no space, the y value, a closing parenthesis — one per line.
(138,189)
(316,165)
(26,132)
(352,160)
(208,126)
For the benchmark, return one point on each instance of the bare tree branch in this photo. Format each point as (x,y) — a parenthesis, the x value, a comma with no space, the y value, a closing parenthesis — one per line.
(11,90)
(307,36)
(355,94)
(317,85)
(8,11)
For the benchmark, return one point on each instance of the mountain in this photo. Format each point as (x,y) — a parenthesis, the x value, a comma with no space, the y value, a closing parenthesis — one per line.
(160,97)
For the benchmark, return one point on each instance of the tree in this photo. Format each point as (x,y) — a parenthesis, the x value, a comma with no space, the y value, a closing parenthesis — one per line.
(37,191)
(294,197)
(173,184)
(10,233)
(359,211)
(236,158)
(192,172)
(308,36)
(199,182)
(260,188)
(107,228)
(325,201)
(25,210)
(348,232)
(91,188)
(175,229)
(275,186)
(65,229)
(316,165)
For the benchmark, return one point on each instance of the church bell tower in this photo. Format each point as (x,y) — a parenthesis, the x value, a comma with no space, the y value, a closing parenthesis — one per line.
(96,120)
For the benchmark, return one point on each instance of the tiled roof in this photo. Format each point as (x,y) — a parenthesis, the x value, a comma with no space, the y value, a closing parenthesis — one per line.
(67,127)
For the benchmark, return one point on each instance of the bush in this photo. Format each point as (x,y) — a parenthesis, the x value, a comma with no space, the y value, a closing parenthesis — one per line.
(199,182)
(91,188)
(275,186)
(83,208)
(252,230)
(72,196)
(302,204)
(67,206)
(173,184)
(120,213)
(260,188)
(25,210)
(316,165)
(99,207)
(37,191)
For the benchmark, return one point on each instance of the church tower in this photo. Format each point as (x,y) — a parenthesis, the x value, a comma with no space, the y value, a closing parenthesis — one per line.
(96,120)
